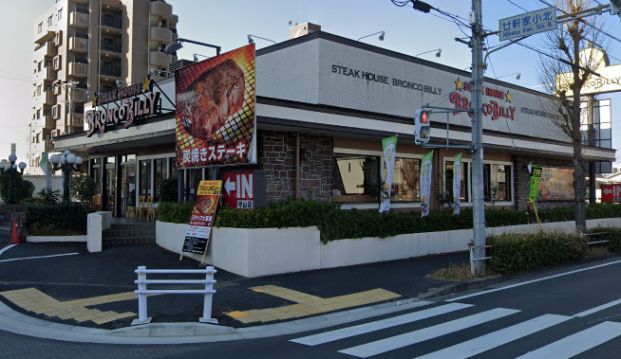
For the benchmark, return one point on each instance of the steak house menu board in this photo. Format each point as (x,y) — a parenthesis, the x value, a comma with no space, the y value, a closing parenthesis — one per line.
(215,112)
(203,217)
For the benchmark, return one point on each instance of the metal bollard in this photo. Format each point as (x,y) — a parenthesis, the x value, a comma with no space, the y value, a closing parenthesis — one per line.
(142,297)
(208,297)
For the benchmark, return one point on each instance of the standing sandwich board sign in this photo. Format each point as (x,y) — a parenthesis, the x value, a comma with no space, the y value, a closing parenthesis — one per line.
(202,218)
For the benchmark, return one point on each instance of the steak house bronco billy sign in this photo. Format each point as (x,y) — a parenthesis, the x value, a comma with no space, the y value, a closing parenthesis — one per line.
(126,105)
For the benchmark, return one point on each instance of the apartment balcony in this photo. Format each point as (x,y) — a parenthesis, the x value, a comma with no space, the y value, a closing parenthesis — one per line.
(78,19)
(110,73)
(49,49)
(45,99)
(78,44)
(160,8)
(158,58)
(111,24)
(77,69)
(44,36)
(47,73)
(111,50)
(161,34)
(48,122)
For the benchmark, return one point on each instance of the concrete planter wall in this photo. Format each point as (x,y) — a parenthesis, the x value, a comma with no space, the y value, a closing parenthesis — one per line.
(266,251)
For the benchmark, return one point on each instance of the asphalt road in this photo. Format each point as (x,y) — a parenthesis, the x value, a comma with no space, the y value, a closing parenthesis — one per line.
(574,314)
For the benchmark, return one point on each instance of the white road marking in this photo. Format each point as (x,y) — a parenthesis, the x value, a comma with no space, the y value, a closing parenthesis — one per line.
(531,281)
(342,333)
(417,336)
(500,337)
(37,257)
(6,248)
(577,343)
(598,308)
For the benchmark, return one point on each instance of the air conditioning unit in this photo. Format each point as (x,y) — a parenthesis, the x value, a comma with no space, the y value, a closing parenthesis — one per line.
(57,62)
(56,112)
(58,39)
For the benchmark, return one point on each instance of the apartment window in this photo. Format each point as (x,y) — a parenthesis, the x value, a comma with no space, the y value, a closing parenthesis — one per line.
(39,90)
(358,178)
(39,66)
(38,114)
(497,182)
(49,21)
(405,180)
(59,14)
(40,28)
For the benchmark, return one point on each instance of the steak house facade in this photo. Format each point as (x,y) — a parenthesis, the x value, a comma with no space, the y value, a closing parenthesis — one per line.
(324,103)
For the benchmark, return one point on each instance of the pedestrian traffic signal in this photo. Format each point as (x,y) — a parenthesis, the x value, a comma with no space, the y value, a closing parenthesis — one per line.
(422,128)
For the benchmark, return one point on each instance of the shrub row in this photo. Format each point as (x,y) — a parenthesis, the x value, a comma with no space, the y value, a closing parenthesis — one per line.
(335,223)
(512,252)
(56,219)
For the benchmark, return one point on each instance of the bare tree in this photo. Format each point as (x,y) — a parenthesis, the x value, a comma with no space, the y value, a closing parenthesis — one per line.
(574,62)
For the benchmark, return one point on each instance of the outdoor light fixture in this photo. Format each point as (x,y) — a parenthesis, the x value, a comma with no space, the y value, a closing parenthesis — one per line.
(67,162)
(172,48)
(10,168)
(251,41)
(518,75)
(437,51)
(380,37)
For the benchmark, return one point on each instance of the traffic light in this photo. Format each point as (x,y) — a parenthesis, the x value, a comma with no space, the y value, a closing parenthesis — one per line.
(422,128)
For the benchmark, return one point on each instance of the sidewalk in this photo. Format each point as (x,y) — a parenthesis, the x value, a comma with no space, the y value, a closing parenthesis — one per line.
(89,296)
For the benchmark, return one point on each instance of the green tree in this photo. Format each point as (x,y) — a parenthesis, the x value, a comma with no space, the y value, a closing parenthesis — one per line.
(83,188)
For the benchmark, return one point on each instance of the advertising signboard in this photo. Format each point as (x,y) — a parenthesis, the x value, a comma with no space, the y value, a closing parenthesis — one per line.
(611,193)
(215,112)
(203,217)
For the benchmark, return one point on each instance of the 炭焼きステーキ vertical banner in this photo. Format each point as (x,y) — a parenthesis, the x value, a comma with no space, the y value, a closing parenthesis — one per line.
(215,114)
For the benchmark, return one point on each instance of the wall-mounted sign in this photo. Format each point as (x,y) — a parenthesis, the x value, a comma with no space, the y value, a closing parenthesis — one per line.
(244,188)
(215,118)
(123,107)
(497,107)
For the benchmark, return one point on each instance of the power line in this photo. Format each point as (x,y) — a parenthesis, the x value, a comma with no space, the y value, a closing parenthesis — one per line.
(518,6)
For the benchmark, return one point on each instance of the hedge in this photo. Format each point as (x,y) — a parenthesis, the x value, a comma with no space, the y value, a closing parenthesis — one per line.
(56,219)
(512,252)
(335,223)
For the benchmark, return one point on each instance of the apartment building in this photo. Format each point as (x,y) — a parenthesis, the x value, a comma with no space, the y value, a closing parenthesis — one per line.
(84,47)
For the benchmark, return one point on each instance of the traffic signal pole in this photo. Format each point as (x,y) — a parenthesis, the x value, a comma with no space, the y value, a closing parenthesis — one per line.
(477,254)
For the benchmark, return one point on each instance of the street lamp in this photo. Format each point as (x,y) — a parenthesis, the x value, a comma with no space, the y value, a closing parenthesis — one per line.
(67,162)
(10,168)
(251,41)
(171,48)
(437,51)
(380,37)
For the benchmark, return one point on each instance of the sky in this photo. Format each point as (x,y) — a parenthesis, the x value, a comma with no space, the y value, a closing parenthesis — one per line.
(227,23)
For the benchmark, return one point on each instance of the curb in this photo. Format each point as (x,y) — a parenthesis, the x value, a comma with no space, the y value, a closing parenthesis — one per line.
(461,286)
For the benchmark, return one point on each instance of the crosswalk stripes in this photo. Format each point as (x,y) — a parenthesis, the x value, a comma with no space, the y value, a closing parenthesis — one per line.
(577,343)
(566,347)
(492,340)
(417,336)
(337,334)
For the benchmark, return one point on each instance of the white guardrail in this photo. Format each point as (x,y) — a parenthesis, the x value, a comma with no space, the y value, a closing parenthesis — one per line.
(143,291)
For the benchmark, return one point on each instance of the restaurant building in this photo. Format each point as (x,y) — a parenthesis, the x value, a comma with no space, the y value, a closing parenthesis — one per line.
(323,104)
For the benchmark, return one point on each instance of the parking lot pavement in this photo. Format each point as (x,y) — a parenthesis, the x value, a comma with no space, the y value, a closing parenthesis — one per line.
(62,282)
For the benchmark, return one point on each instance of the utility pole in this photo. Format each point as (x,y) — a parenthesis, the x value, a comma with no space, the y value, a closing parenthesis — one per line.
(477,260)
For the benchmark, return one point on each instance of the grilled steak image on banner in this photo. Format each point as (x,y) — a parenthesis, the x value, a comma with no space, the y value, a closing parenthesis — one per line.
(218,94)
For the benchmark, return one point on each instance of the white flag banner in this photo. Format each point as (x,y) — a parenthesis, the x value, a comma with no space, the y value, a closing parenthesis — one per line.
(425,183)
(389,145)
(457,184)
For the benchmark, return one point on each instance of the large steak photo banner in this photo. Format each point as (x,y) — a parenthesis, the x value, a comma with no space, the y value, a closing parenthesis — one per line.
(215,115)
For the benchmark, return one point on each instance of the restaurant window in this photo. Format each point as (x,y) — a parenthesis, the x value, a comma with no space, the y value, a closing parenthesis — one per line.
(172,167)
(448,180)
(497,182)
(358,179)
(406,180)
(145,178)
(159,172)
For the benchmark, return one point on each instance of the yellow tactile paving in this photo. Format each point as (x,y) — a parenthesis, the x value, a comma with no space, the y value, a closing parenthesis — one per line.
(33,300)
(307,304)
